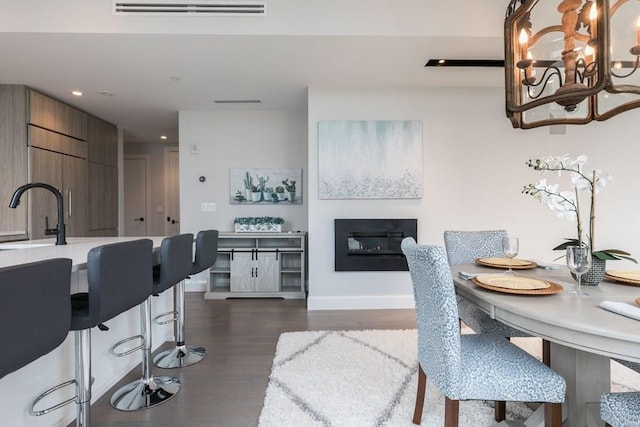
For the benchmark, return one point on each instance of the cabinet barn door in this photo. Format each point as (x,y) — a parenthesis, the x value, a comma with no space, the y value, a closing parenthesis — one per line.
(45,167)
(76,216)
(242,272)
(267,273)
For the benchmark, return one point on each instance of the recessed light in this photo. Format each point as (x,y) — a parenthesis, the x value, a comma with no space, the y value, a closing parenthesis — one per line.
(105,93)
(76,93)
(163,136)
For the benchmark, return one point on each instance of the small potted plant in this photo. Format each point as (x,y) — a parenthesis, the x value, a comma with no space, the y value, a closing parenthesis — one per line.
(256,194)
(239,196)
(280,192)
(261,224)
(291,189)
(248,185)
(266,194)
(567,205)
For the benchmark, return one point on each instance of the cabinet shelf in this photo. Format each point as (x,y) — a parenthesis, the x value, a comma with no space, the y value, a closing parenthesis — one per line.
(259,265)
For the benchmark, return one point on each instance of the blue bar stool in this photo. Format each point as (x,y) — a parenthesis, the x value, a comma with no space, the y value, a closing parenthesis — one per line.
(35,310)
(185,355)
(176,258)
(119,278)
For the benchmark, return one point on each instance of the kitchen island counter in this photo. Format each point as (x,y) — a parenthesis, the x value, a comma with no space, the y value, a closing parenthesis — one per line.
(19,388)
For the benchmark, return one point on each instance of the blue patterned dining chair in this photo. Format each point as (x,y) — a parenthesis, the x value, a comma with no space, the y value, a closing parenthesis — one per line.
(474,366)
(620,409)
(464,247)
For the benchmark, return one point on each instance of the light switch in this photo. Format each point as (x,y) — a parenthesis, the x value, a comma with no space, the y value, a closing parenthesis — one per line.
(195,149)
(207,207)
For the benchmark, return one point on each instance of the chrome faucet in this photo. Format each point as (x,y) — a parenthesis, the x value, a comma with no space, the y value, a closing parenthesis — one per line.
(60,231)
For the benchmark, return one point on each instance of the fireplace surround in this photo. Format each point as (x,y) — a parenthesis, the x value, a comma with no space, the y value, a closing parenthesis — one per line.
(372,244)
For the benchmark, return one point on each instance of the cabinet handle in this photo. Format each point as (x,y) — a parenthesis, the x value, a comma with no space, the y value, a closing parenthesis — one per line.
(69,214)
(256,272)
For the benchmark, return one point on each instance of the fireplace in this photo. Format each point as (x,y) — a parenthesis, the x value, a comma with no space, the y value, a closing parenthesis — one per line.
(372,244)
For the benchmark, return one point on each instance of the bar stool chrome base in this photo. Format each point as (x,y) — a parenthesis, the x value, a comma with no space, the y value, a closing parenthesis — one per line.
(143,394)
(180,356)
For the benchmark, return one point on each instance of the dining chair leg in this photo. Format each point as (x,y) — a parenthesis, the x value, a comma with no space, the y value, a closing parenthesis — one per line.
(552,414)
(451,411)
(500,410)
(546,352)
(422,385)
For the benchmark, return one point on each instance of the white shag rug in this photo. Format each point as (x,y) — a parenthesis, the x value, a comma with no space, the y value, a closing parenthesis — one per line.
(357,379)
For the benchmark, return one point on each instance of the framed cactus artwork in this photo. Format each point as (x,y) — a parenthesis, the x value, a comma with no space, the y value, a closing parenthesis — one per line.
(266,186)
(370,159)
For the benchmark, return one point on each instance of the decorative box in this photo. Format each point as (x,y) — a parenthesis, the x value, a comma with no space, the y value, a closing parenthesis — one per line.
(258,228)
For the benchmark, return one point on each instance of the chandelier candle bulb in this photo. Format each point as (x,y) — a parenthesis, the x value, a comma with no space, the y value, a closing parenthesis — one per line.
(530,71)
(589,54)
(523,41)
(638,32)
(593,17)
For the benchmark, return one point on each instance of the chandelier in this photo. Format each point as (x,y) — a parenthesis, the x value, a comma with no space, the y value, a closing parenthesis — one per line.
(571,61)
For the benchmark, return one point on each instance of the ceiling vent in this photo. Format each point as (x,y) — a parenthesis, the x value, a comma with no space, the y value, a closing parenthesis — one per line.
(190,8)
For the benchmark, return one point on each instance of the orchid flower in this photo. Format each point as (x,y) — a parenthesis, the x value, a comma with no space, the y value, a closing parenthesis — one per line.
(565,203)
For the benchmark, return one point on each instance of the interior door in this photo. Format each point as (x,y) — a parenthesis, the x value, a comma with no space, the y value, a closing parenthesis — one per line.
(172,192)
(135,196)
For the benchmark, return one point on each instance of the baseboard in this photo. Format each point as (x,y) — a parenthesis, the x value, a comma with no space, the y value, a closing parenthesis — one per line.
(196,285)
(359,302)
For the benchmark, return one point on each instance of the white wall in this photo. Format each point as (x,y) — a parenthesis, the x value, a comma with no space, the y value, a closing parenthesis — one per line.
(474,171)
(236,139)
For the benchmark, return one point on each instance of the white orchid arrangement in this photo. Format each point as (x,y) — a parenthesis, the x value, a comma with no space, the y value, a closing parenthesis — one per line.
(566,203)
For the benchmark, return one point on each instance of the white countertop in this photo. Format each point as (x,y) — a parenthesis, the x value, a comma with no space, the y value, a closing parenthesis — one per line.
(14,253)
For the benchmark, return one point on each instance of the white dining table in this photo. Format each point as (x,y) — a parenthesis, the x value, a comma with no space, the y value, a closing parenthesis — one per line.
(583,336)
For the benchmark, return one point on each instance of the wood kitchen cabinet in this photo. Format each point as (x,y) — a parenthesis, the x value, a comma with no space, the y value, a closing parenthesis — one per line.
(102,140)
(48,113)
(13,158)
(45,140)
(103,199)
(60,161)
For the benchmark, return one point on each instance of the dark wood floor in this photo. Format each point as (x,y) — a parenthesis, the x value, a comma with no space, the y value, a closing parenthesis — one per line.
(227,388)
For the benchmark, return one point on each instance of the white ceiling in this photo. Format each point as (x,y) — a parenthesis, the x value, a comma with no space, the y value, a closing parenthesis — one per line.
(155,70)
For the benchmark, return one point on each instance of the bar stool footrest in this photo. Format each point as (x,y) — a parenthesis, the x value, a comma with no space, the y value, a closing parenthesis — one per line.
(124,341)
(157,320)
(37,413)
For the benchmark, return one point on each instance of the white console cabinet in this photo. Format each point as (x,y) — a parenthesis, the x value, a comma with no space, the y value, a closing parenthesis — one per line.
(252,265)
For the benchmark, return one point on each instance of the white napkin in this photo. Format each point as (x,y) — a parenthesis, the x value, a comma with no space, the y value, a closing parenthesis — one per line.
(466,276)
(622,308)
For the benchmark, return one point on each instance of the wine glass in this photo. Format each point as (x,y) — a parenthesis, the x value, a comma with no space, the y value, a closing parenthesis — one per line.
(510,249)
(579,262)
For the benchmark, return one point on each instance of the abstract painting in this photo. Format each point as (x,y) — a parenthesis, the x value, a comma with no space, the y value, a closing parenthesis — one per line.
(370,159)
